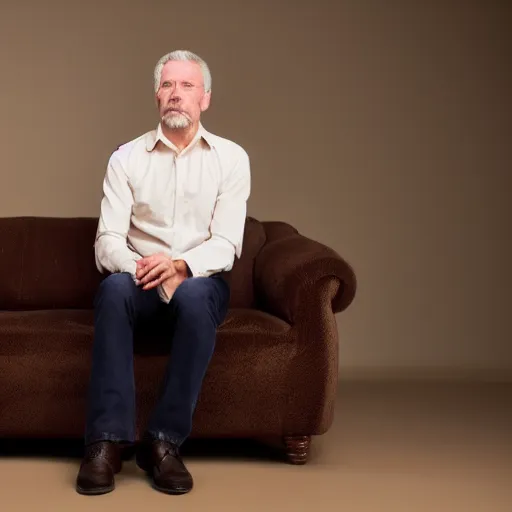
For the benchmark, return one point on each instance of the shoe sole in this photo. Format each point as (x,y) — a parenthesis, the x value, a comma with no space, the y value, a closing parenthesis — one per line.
(175,492)
(95,492)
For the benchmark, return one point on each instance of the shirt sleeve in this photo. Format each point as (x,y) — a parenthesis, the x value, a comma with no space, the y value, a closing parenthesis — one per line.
(218,253)
(111,249)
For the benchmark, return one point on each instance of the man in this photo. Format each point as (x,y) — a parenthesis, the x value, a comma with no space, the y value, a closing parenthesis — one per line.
(172,221)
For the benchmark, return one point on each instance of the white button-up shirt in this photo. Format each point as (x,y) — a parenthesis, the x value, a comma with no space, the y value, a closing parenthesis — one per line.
(190,205)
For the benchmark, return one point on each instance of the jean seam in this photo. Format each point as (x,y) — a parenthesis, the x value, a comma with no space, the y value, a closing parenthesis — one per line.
(106,436)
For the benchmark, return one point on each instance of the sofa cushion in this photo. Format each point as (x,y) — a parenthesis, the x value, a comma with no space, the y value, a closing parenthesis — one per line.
(45,361)
(46,358)
(250,365)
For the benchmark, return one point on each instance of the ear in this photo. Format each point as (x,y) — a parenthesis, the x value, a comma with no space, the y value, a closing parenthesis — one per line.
(205,101)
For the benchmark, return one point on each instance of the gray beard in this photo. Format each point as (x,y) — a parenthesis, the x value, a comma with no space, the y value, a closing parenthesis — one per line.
(175,121)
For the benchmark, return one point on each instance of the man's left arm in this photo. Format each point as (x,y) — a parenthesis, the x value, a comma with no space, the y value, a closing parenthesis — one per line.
(218,253)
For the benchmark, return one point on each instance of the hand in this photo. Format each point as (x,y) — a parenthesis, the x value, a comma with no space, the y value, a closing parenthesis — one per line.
(170,285)
(156,269)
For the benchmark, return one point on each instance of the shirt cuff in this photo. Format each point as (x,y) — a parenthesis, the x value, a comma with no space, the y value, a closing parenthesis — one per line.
(163,294)
(195,267)
(130,266)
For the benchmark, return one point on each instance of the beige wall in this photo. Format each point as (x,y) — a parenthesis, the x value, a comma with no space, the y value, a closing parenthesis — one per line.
(380,131)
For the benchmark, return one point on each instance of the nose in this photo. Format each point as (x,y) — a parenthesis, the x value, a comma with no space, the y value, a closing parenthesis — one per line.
(175,98)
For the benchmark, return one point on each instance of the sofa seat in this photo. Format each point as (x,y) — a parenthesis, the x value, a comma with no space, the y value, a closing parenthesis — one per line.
(47,353)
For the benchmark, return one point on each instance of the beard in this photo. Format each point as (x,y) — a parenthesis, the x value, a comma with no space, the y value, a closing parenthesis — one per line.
(176,120)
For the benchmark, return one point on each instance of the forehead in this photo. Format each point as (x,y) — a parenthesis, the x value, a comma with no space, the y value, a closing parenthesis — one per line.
(182,70)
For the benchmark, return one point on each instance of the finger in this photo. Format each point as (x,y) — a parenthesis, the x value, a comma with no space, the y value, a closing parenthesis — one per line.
(144,260)
(158,281)
(154,273)
(142,271)
(150,265)
(158,256)
(151,273)
(172,270)
(153,284)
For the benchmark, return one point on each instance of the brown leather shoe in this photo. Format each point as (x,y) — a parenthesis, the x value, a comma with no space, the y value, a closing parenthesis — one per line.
(162,462)
(101,461)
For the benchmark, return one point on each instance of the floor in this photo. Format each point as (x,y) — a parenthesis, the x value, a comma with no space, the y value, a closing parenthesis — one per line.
(395,447)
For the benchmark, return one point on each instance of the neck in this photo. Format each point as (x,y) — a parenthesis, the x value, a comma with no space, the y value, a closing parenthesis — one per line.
(180,137)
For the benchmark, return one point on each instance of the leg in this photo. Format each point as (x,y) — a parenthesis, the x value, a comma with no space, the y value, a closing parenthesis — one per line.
(297,448)
(198,307)
(111,406)
(111,403)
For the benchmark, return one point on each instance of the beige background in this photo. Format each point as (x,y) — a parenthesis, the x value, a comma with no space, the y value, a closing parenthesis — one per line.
(379,128)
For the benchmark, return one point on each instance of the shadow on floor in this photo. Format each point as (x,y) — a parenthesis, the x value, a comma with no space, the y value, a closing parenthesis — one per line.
(233,449)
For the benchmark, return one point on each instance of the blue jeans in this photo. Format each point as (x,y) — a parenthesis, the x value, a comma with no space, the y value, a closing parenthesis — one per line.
(197,308)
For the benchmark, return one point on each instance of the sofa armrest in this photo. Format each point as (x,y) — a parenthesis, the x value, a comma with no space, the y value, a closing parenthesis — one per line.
(288,269)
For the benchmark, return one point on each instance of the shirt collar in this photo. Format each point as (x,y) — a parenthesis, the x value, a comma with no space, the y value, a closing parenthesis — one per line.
(157,135)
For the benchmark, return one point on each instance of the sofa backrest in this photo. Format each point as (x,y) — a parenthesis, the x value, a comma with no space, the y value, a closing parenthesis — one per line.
(48,263)
(242,275)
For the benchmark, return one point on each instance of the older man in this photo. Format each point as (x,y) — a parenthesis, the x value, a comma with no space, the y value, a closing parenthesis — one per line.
(172,221)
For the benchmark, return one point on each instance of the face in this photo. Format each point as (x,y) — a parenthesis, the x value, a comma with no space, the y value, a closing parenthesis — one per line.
(181,97)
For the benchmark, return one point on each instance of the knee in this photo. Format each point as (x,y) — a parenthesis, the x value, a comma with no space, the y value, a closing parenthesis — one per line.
(191,293)
(192,297)
(119,286)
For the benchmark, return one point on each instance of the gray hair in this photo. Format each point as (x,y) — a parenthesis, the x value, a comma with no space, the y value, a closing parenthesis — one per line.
(183,55)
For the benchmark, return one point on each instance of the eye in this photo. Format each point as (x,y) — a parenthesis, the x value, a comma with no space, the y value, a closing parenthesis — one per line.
(187,85)
(166,84)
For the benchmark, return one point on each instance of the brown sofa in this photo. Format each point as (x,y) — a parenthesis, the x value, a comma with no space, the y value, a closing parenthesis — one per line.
(274,370)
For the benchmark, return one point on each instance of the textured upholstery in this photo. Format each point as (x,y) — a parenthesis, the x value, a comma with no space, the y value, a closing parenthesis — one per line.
(274,369)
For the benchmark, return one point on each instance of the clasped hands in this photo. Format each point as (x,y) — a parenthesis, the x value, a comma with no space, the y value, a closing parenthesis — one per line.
(160,269)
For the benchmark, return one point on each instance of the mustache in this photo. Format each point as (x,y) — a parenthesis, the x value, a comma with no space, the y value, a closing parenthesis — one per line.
(174,109)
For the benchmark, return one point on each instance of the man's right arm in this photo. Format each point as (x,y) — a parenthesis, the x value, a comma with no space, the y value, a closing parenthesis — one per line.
(111,249)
